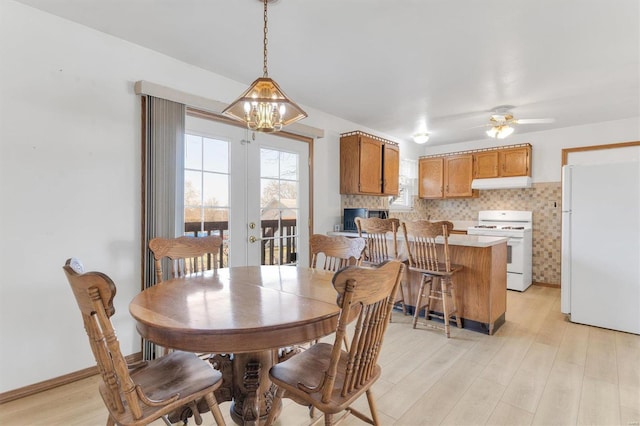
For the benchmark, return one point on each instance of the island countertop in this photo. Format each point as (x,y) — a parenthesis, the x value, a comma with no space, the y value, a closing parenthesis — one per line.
(454,239)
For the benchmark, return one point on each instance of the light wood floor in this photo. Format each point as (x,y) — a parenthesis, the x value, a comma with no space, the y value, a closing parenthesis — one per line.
(538,369)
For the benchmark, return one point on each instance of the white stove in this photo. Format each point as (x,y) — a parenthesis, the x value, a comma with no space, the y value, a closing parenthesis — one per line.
(517,226)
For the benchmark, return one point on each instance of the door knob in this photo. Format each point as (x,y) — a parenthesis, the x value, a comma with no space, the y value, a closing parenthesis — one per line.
(252,239)
(252,225)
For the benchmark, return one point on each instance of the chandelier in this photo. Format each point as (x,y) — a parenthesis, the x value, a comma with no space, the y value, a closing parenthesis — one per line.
(263,106)
(500,131)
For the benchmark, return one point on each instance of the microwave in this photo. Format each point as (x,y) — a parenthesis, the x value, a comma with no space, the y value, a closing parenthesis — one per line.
(349,217)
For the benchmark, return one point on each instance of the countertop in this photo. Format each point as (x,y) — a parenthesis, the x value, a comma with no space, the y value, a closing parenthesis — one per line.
(454,240)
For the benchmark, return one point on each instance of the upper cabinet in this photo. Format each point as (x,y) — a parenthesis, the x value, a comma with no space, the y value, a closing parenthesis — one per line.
(502,162)
(446,176)
(369,165)
(515,161)
(431,177)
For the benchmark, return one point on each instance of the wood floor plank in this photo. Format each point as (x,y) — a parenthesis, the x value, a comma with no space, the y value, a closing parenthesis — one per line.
(506,362)
(435,404)
(476,404)
(573,348)
(526,387)
(561,397)
(508,415)
(599,403)
(601,362)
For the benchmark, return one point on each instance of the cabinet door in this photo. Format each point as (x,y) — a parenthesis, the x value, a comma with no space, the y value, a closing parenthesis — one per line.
(431,177)
(485,164)
(515,162)
(458,172)
(391,172)
(370,166)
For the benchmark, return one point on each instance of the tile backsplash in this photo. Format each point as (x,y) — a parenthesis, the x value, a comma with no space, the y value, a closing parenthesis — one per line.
(543,199)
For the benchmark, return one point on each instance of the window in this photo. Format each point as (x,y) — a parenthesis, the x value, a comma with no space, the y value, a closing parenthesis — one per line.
(408,183)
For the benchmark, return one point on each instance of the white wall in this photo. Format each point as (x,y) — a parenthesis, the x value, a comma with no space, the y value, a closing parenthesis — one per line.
(547,146)
(70,178)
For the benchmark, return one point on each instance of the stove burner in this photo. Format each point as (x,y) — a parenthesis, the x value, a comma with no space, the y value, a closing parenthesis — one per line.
(486,226)
(512,227)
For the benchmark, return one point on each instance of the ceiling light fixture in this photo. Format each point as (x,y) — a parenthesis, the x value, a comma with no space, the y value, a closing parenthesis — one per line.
(421,138)
(263,106)
(500,131)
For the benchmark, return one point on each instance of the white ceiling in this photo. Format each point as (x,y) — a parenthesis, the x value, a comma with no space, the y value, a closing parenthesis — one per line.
(390,64)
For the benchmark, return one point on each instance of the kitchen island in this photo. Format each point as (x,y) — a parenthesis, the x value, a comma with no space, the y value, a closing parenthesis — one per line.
(481,285)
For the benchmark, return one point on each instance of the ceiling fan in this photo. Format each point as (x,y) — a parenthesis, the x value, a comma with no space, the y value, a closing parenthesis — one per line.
(502,121)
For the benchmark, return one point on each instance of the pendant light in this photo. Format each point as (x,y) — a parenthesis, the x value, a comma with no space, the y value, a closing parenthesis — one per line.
(263,106)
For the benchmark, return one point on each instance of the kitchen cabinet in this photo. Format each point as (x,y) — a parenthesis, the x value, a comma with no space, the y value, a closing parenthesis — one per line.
(502,162)
(446,177)
(515,161)
(368,165)
(431,177)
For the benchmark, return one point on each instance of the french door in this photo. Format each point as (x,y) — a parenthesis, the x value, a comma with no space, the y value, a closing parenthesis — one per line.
(252,189)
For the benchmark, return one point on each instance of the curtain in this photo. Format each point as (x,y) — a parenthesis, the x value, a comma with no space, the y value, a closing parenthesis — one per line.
(162,163)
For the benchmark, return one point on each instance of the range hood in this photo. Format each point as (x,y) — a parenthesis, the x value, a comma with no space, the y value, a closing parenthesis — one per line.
(502,183)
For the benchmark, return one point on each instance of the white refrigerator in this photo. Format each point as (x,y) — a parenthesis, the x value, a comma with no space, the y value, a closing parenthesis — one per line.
(600,282)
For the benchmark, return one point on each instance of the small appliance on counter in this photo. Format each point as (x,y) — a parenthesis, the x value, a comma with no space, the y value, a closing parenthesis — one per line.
(349,217)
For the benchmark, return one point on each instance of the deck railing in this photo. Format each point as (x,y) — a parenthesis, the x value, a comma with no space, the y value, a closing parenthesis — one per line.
(278,239)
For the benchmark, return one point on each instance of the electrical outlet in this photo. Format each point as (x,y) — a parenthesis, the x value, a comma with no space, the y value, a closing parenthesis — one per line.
(336,227)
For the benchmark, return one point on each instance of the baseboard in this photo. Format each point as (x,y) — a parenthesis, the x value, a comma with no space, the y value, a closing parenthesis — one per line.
(58,381)
(546,285)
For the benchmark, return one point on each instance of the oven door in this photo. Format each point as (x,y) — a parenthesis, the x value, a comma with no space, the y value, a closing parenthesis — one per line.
(515,255)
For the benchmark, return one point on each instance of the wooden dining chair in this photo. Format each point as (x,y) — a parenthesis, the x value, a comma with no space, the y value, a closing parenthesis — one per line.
(149,390)
(421,239)
(338,252)
(186,255)
(335,252)
(329,378)
(379,234)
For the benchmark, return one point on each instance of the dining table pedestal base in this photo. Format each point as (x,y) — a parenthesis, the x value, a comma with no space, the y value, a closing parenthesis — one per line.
(246,383)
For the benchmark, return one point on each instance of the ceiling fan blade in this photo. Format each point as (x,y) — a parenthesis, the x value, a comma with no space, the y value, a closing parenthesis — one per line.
(534,120)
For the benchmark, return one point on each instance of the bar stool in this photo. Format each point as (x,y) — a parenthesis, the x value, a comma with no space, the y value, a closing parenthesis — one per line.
(376,232)
(422,239)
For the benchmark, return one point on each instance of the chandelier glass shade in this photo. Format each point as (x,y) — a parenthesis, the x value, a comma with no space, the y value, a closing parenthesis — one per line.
(500,131)
(263,106)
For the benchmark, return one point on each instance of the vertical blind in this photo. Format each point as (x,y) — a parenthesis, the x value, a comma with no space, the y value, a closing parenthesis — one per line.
(163,162)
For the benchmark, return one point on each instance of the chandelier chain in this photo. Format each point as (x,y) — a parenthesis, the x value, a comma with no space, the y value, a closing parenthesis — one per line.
(264,66)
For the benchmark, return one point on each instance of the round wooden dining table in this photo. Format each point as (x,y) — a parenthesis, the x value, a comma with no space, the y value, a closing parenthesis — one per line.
(248,317)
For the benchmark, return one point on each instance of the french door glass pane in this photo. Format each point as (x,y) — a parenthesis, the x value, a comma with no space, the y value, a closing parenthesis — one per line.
(206,189)
(279,204)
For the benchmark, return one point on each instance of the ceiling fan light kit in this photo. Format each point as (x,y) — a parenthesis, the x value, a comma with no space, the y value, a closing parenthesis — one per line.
(263,106)
(502,121)
(500,132)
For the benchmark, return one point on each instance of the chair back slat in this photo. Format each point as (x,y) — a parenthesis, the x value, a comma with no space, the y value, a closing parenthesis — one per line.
(422,238)
(94,293)
(185,255)
(375,231)
(365,295)
(338,251)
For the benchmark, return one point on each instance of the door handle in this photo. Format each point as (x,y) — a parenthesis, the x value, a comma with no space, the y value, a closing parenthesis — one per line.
(253,239)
